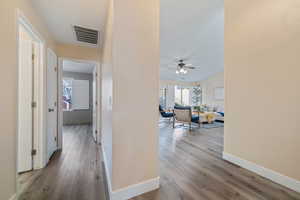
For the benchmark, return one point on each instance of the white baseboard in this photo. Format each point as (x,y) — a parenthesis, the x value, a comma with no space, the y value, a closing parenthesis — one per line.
(276,177)
(13,197)
(106,171)
(135,190)
(132,190)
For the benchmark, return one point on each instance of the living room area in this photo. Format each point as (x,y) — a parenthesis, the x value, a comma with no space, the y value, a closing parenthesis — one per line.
(195,111)
(191,96)
(204,98)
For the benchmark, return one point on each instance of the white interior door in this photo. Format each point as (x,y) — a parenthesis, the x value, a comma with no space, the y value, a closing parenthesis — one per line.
(95,105)
(25,99)
(52,103)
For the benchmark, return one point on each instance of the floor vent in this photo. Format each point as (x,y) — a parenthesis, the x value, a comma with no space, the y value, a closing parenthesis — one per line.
(86,35)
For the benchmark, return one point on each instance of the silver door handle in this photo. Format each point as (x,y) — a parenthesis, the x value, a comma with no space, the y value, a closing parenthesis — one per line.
(50,110)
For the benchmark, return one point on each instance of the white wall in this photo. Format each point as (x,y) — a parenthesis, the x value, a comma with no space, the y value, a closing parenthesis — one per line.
(208,87)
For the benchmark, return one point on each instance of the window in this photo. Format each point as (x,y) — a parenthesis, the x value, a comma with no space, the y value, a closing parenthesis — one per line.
(163,97)
(196,96)
(76,94)
(67,94)
(182,96)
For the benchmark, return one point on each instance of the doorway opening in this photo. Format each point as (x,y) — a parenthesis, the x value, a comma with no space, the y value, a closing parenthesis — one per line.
(78,99)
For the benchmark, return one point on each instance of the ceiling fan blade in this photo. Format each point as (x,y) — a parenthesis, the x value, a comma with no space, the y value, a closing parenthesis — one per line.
(177,60)
(192,67)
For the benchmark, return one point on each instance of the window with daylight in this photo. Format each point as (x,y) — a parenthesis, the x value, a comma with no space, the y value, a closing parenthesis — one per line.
(163,97)
(76,94)
(196,96)
(67,94)
(182,96)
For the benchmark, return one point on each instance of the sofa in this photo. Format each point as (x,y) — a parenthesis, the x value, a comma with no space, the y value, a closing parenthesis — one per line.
(219,116)
(218,110)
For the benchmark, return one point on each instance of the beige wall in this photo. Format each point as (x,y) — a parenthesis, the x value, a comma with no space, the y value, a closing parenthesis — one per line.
(131,83)
(8,87)
(107,90)
(208,90)
(262,46)
(77,52)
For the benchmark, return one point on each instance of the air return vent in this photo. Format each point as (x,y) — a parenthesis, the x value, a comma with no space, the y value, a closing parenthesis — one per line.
(86,35)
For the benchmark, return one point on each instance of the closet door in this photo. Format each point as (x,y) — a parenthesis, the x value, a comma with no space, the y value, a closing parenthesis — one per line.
(25,100)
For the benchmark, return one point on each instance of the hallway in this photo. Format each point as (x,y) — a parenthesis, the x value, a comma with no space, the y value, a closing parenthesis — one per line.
(73,174)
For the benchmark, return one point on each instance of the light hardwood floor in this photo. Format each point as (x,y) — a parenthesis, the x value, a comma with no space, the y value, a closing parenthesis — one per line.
(191,168)
(73,174)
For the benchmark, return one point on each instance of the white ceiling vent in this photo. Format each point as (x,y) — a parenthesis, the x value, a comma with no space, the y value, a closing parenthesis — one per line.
(86,35)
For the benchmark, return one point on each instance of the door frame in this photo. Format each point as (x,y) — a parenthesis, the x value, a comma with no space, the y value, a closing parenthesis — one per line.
(49,50)
(60,108)
(39,128)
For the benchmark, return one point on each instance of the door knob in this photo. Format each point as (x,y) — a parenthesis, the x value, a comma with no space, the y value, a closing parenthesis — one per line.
(50,110)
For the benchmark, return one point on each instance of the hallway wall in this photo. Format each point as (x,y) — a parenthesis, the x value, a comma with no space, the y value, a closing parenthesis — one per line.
(78,52)
(262,46)
(107,91)
(8,86)
(130,88)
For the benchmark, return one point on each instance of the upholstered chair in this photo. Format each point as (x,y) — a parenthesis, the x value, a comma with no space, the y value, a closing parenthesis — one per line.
(165,114)
(184,115)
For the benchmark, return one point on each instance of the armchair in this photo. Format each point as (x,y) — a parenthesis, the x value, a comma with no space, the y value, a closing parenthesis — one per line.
(184,115)
(164,114)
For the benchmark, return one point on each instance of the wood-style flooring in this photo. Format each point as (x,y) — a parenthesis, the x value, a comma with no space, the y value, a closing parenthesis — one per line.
(73,174)
(191,168)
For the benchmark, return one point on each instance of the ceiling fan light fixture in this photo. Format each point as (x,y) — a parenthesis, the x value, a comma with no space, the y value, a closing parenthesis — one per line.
(182,70)
(177,72)
(185,72)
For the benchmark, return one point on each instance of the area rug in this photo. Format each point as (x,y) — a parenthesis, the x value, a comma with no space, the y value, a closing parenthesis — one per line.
(212,125)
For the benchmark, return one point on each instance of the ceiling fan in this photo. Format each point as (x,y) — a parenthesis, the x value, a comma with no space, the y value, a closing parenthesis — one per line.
(182,67)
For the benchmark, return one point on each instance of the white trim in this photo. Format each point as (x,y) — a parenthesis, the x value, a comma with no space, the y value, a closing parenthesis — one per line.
(60,109)
(45,139)
(99,106)
(135,190)
(106,171)
(14,197)
(21,20)
(132,190)
(288,182)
